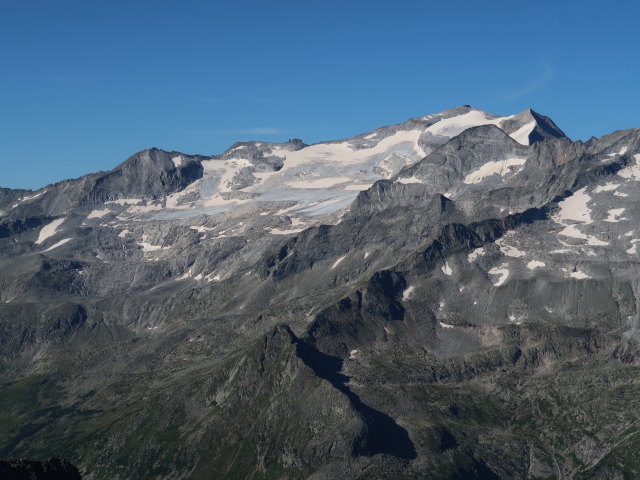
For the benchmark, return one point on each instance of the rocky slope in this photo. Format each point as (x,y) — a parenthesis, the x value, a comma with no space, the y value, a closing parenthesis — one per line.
(52,469)
(451,297)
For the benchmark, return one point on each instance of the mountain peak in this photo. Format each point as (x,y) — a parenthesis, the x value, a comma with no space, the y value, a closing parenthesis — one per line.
(528,127)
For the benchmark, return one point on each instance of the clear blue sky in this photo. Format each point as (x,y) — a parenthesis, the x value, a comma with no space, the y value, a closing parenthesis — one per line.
(85,84)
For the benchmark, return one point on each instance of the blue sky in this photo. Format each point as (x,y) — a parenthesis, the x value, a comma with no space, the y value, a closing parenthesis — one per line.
(83,85)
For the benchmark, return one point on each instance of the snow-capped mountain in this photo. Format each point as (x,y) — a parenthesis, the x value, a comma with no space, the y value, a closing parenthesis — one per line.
(455,294)
(277,188)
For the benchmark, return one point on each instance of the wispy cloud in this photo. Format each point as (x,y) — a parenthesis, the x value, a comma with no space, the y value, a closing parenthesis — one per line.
(534,84)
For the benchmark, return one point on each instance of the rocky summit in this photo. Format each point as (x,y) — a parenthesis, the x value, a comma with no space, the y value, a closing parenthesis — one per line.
(452,297)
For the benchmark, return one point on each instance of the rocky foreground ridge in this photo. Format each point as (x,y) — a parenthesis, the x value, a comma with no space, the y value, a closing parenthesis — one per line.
(52,469)
(455,296)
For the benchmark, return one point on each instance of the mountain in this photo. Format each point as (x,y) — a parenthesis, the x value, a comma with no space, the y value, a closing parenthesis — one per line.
(235,201)
(450,297)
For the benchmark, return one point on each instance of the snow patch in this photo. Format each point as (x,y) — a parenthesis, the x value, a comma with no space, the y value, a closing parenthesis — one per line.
(147,247)
(32,197)
(282,211)
(404,143)
(319,182)
(337,262)
(533,264)
(408,180)
(277,231)
(573,232)
(49,230)
(595,242)
(184,276)
(622,151)
(57,244)
(446,269)
(579,274)
(445,325)
(500,167)
(357,187)
(28,199)
(614,215)
(201,228)
(632,172)
(522,134)
(134,209)
(607,187)
(503,271)
(450,127)
(574,208)
(126,201)
(178,161)
(98,213)
(408,293)
(514,319)
(213,278)
(509,250)
(475,254)
(405,140)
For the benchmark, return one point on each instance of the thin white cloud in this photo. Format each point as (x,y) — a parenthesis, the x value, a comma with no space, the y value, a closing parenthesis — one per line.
(534,84)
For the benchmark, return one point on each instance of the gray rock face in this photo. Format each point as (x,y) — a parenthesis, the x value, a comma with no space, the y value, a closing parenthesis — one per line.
(450,297)
(148,174)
